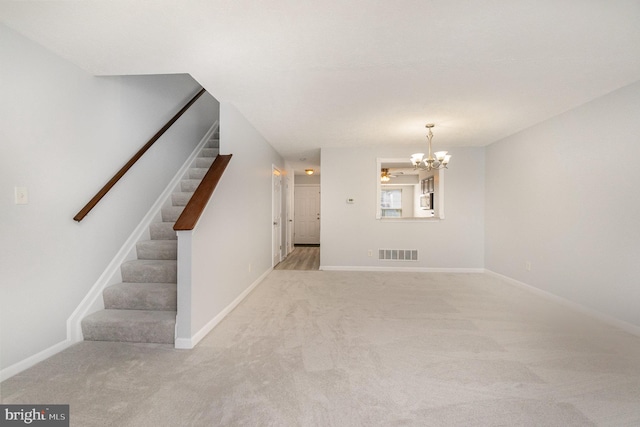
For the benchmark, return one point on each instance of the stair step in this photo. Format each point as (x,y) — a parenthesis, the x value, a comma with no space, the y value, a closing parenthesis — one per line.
(208,152)
(143,307)
(130,326)
(149,271)
(189,184)
(141,296)
(162,231)
(181,198)
(171,213)
(197,173)
(204,162)
(157,249)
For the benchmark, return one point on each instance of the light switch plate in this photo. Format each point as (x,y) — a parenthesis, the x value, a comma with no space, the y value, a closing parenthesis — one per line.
(21,196)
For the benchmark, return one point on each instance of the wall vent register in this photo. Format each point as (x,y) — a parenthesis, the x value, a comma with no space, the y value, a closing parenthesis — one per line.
(398,254)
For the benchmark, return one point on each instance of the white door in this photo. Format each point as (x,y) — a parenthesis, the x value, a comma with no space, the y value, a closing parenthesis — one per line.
(288,214)
(307,214)
(277,216)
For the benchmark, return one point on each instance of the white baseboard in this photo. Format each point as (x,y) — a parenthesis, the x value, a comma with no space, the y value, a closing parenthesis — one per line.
(30,361)
(612,321)
(400,269)
(189,343)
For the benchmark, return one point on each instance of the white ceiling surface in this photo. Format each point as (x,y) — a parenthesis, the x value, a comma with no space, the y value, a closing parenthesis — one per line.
(357,73)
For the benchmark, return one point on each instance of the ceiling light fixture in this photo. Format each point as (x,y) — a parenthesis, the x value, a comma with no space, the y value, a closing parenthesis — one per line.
(384,175)
(440,160)
(308,171)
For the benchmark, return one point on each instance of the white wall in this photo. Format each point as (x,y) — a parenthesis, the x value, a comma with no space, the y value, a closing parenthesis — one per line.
(563,195)
(348,231)
(308,179)
(231,243)
(63,134)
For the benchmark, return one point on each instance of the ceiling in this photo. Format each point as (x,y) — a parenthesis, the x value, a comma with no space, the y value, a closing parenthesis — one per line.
(358,73)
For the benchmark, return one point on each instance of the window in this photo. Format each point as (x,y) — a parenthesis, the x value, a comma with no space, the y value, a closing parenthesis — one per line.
(391,203)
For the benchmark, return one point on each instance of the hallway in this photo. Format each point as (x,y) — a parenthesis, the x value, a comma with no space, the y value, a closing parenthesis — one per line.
(303,257)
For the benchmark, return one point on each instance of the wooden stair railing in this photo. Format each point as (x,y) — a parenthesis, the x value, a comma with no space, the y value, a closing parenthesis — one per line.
(104,190)
(191,213)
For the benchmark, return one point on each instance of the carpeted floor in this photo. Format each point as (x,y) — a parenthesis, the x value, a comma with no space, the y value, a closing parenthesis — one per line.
(315,348)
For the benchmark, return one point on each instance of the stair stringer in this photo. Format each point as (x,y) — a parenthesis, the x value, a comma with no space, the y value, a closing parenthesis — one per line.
(93,301)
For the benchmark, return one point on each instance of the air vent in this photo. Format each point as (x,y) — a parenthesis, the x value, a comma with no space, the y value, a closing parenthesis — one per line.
(398,254)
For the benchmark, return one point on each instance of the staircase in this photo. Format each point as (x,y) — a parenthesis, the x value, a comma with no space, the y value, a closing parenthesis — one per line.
(143,307)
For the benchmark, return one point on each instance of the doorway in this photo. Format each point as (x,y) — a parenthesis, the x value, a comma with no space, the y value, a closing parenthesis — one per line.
(276,238)
(288,216)
(303,257)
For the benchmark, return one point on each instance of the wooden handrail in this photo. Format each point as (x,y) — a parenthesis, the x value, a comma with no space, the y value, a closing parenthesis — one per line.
(197,203)
(104,190)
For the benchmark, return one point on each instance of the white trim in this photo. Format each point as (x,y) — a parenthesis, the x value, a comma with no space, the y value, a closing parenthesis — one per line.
(25,364)
(183,288)
(400,269)
(415,220)
(276,176)
(189,343)
(440,193)
(289,214)
(612,321)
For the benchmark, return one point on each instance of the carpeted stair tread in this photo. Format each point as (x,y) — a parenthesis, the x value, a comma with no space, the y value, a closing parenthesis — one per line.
(141,296)
(171,213)
(149,271)
(197,173)
(150,326)
(157,249)
(208,152)
(204,162)
(214,142)
(189,184)
(162,231)
(181,198)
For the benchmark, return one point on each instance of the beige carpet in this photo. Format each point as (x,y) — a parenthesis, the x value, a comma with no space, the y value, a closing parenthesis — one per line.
(359,349)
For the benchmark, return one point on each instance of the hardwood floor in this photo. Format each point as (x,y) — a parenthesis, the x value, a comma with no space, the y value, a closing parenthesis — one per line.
(301,258)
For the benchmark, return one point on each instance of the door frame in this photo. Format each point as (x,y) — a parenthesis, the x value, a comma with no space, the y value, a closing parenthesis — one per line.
(276,216)
(289,187)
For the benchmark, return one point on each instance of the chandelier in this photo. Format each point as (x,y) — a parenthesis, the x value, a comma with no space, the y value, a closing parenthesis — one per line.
(440,160)
(384,175)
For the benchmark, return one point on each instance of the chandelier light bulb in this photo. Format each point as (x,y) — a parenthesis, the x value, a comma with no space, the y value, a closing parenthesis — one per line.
(416,158)
(440,155)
